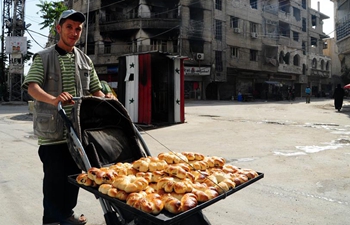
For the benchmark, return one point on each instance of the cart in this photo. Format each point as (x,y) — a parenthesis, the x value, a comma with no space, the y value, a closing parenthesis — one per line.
(101,133)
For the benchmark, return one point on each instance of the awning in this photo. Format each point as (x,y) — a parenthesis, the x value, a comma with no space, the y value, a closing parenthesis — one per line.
(276,83)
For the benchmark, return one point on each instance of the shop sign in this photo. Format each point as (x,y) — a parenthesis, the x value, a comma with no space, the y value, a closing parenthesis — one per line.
(201,71)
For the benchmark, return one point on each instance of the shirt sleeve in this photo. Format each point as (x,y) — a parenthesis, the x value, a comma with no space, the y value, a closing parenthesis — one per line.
(35,73)
(95,84)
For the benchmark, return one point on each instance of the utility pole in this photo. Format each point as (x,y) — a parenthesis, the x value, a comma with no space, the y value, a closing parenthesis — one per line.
(16,46)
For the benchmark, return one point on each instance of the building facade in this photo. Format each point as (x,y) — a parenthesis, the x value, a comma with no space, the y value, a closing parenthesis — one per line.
(257,47)
(342,34)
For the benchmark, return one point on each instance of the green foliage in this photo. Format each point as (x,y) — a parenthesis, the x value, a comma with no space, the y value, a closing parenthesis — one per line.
(345,77)
(50,12)
(29,54)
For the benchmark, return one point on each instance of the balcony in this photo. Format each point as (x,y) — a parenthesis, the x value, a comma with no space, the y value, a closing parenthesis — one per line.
(123,22)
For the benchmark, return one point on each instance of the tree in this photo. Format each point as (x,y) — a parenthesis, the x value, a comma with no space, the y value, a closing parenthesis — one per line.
(50,12)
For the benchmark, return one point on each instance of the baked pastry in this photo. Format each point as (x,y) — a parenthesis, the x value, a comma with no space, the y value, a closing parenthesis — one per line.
(149,203)
(130,183)
(205,194)
(214,161)
(104,188)
(84,180)
(175,170)
(179,203)
(192,156)
(151,164)
(248,172)
(118,194)
(199,165)
(173,184)
(173,157)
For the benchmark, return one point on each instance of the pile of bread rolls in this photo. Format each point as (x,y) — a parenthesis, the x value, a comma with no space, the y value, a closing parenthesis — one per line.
(173,181)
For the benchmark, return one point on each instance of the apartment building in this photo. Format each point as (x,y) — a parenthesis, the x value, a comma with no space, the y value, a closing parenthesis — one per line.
(258,47)
(342,34)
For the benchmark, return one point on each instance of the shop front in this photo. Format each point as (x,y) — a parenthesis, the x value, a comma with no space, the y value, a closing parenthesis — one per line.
(194,81)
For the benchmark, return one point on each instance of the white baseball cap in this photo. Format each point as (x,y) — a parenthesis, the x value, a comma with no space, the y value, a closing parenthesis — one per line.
(72,14)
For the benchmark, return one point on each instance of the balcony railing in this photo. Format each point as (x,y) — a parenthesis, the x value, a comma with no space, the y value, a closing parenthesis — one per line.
(116,49)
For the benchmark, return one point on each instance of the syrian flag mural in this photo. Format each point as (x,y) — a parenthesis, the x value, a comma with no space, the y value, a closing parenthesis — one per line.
(178,91)
(152,89)
(131,86)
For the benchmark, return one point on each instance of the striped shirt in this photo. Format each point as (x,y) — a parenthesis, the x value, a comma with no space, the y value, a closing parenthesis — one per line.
(67,64)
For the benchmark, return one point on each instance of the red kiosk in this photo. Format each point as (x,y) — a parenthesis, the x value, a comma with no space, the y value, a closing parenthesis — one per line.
(151,87)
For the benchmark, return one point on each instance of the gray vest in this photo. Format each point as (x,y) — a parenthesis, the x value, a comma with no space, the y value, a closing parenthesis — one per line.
(47,122)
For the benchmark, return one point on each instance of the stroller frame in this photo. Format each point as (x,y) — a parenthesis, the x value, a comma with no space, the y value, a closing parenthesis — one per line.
(100,126)
(85,159)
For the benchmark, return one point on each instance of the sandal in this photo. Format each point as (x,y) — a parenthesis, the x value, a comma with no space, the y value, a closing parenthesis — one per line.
(74,220)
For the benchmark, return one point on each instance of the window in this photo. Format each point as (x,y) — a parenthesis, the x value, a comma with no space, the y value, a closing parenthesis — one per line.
(313,21)
(253,27)
(218,4)
(234,22)
(303,3)
(196,14)
(218,30)
(295,36)
(253,55)
(234,52)
(322,64)
(296,13)
(286,58)
(303,46)
(254,4)
(218,61)
(196,46)
(304,25)
(314,63)
(313,42)
(296,60)
(107,48)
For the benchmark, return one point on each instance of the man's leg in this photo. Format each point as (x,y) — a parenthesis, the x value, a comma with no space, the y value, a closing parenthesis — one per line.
(60,197)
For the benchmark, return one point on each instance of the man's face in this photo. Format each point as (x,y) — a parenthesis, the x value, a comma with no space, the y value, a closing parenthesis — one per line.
(69,32)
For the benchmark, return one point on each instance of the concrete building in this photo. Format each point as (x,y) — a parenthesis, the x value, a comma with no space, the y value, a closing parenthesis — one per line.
(256,47)
(342,34)
(331,50)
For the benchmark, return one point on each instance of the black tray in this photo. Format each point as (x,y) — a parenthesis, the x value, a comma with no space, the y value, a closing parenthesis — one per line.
(164,217)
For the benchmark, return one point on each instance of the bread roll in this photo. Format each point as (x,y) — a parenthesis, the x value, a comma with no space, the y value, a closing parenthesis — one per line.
(84,180)
(130,183)
(176,206)
(149,203)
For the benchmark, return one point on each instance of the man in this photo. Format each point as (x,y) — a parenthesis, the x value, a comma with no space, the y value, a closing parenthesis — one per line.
(58,74)
(308,94)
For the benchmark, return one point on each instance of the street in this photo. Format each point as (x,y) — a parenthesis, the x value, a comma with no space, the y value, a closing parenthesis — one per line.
(302,149)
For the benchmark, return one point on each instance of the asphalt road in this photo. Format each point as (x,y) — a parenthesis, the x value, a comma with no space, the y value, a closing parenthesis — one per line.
(302,149)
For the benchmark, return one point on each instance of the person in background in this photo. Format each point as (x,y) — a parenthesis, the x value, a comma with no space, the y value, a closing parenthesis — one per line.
(308,94)
(107,90)
(55,77)
(338,97)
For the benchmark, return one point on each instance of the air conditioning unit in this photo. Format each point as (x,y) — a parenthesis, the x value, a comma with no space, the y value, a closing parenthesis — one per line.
(237,30)
(254,35)
(200,56)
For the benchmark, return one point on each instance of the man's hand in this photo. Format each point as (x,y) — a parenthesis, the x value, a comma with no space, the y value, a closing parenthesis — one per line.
(65,98)
(110,95)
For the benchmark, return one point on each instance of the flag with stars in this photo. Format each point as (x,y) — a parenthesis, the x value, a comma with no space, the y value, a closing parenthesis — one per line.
(178,99)
(131,87)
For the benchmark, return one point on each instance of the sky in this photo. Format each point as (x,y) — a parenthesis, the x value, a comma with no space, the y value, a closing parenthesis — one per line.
(326,7)
(35,34)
